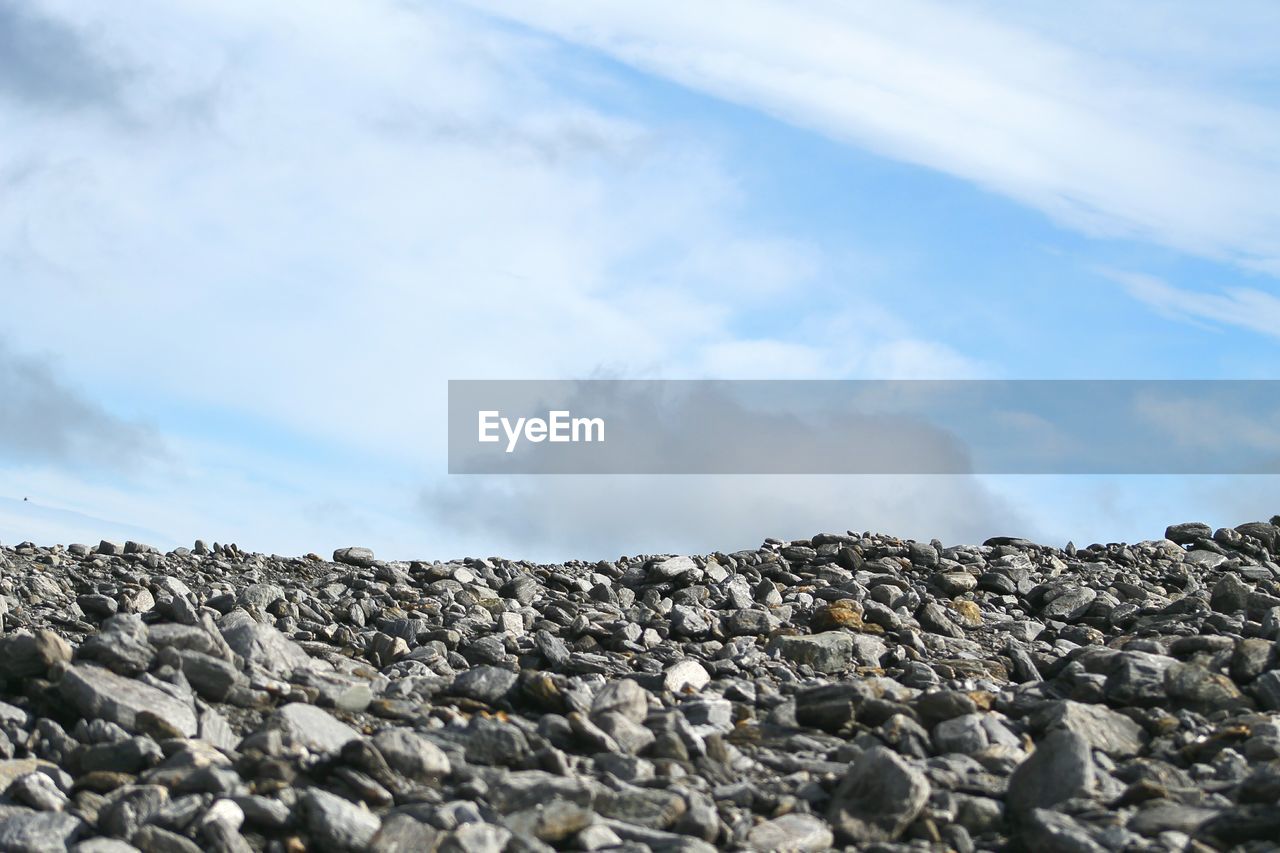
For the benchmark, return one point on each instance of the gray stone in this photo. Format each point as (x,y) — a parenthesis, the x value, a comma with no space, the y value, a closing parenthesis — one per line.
(1060,768)
(128,756)
(1188,532)
(791,833)
(103,845)
(1052,832)
(553,822)
(1267,688)
(25,654)
(121,645)
(879,797)
(259,596)
(624,697)
(630,736)
(39,791)
(648,807)
(964,734)
(401,833)
(156,839)
(411,754)
(311,727)
(953,583)
(1137,678)
(213,678)
(830,651)
(685,676)
(354,556)
(1099,727)
(39,832)
(935,619)
(488,684)
(186,638)
(1203,691)
(1230,595)
(262,645)
(337,824)
(137,707)
(1070,604)
(475,838)
(673,568)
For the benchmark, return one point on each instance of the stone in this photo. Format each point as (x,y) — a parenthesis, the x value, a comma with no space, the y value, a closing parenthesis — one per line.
(878,798)
(23,655)
(845,613)
(98,692)
(1188,532)
(935,619)
(262,645)
(673,568)
(38,832)
(964,734)
(685,676)
(1230,595)
(335,823)
(953,583)
(625,697)
(354,556)
(553,822)
(1098,726)
(400,833)
(488,684)
(791,833)
(413,755)
(311,727)
(830,651)
(121,645)
(1197,688)
(1070,604)
(1057,833)
(38,791)
(213,678)
(1060,768)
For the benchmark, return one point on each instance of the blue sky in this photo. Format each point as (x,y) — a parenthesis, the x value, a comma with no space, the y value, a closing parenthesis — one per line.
(242,250)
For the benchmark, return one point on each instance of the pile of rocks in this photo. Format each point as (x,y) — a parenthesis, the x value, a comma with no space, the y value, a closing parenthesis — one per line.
(842,691)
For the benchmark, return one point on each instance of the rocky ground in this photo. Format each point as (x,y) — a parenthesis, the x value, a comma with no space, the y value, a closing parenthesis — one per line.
(850,690)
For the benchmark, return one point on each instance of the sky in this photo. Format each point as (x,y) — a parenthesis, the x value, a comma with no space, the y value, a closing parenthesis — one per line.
(243,247)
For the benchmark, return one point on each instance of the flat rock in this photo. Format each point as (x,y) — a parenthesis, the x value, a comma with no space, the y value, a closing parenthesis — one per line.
(311,727)
(137,707)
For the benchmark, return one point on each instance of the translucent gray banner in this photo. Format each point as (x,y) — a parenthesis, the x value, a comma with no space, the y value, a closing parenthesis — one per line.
(864,427)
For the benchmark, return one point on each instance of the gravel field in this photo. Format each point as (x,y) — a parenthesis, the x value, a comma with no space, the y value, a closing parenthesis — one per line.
(849,691)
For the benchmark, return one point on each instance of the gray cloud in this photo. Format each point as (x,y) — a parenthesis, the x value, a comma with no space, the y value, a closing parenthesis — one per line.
(46,62)
(560,516)
(43,420)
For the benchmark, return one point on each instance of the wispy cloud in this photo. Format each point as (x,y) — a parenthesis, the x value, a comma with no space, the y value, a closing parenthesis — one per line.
(1094,141)
(1243,307)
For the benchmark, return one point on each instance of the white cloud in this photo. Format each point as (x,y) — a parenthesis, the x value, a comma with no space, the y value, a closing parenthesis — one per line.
(302,220)
(1090,137)
(1244,307)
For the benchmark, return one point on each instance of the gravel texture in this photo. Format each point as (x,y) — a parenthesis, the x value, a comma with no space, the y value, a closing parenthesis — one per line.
(846,691)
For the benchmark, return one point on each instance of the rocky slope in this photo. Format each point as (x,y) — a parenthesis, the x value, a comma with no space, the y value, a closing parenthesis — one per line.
(844,691)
